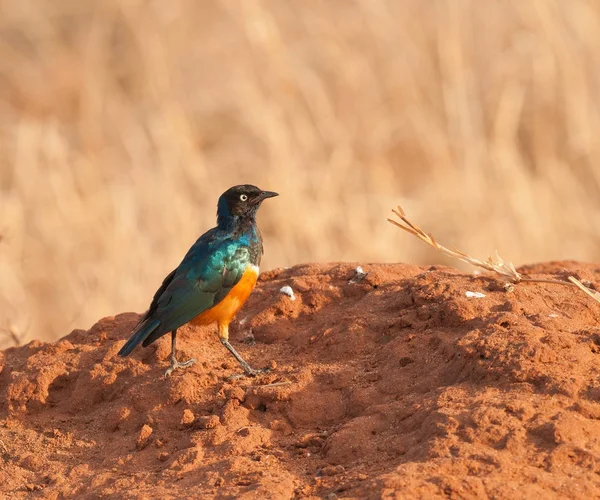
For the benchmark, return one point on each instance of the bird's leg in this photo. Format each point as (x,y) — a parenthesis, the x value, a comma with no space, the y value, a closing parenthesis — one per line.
(174,363)
(224,336)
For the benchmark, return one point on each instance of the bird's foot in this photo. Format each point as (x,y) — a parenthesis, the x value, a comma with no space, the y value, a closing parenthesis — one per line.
(249,372)
(176,365)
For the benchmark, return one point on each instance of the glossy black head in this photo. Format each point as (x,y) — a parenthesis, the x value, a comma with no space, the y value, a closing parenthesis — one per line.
(241,201)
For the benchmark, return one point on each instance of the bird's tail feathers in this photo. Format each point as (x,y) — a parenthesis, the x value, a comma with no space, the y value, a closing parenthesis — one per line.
(140,333)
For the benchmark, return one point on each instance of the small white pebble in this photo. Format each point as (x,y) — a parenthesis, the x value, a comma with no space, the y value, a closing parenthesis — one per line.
(287,290)
(553,315)
(476,295)
(359,275)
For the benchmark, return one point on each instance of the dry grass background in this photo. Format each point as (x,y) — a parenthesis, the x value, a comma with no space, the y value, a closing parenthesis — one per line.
(121,121)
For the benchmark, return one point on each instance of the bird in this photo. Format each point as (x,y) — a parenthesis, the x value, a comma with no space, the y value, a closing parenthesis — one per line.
(213,280)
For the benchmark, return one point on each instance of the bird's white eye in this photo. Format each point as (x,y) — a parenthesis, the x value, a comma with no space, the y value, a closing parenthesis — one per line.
(243,197)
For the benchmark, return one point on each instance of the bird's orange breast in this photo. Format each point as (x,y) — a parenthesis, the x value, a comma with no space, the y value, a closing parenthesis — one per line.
(225,310)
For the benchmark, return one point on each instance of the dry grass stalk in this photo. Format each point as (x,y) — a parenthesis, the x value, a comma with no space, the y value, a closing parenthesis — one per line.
(592,293)
(496,264)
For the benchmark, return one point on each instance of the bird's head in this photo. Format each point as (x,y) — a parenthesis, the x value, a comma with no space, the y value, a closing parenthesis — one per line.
(241,201)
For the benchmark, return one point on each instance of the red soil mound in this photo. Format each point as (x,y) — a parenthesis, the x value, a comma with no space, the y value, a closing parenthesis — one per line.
(397,383)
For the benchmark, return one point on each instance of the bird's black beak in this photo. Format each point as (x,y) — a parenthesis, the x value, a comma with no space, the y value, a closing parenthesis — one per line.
(267,194)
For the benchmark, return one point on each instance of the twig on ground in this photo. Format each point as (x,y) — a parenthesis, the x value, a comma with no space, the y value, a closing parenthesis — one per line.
(275,384)
(592,293)
(496,264)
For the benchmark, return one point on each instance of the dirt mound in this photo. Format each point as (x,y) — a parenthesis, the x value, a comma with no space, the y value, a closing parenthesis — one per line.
(401,382)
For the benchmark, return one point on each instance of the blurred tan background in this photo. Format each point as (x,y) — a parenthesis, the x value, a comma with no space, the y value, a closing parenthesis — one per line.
(121,122)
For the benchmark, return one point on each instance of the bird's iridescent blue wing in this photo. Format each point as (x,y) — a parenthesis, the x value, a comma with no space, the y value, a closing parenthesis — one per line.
(204,278)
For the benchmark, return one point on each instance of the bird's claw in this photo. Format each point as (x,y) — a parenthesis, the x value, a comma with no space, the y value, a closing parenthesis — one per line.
(176,365)
(254,372)
(250,372)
